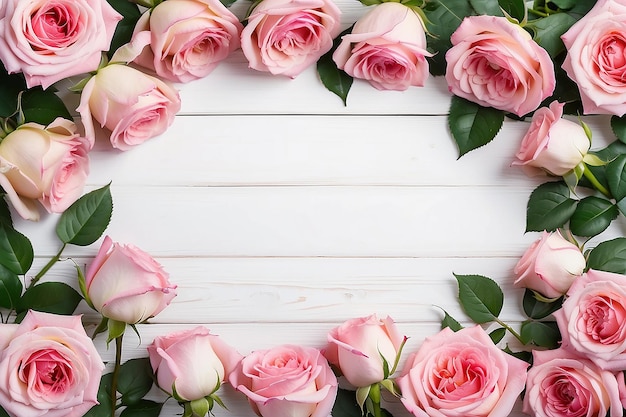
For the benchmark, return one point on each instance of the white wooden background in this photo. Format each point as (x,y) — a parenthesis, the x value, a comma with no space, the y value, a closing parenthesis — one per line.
(280,213)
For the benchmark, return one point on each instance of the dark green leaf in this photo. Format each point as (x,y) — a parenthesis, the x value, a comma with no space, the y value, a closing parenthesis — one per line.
(541,333)
(50,297)
(104,398)
(489,7)
(135,380)
(523,355)
(549,207)
(609,256)
(10,87)
(43,106)
(334,79)
(86,220)
(228,3)
(564,4)
(592,216)
(144,408)
(472,125)
(10,289)
(16,251)
(580,8)
(536,309)
(480,297)
(3,413)
(125,27)
(346,405)
(497,335)
(618,124)
(616,176)
(5,213)
(451,322)
(514,8)
(547,32)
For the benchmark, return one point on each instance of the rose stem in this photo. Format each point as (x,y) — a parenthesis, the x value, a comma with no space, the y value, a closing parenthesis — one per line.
(47,267)
(594,181)
(116,370)
(510,329)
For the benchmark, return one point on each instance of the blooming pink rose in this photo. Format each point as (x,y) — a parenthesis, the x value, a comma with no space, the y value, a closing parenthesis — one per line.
(359,346)
(387,47)
(126,284)
(552,145)
(132,105)
(187,38)
(592,320)
(49,368)
(496,63)
(287,380)
(192,362)
(286,36)
(595,57)
(561,384)
(461,374)
(44,163)
(550,265)
(49,40)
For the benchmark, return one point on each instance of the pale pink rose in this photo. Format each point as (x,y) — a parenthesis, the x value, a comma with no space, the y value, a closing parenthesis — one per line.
(132,105)
(358,348)
(126,284)
(287,36)
(550,265)
(49,164)
(621,383)
(596,59)
(496,63)
(592,320)
(192,362)
(387,47)
(49,368)
(461,374)
(49,40)
(552,144)
(561,384)
(187,38)
(287,380)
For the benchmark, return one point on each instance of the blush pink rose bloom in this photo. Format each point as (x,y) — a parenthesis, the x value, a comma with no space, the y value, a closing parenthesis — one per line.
(284,37)
(592,320)
(49,40)
(596,59)
(552,144)
(387,47)
(49,164)
(192,362)
(287,380)
(126,284)
(496,63)
(132,105)
(49,368)
(187,38)
(562,384)
(461,374)
(550,265)
(358,348)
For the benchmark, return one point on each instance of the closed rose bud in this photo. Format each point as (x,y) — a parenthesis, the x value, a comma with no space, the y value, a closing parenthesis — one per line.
(550,265)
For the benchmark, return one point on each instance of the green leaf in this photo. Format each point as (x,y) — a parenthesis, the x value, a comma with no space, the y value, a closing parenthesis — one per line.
(497,335)
(514,8)
(536,309)
(10,87)
(523,355)
(480,297)
(16,251)
(86,220)
(618,124)
(10,289)
(334,79)
(609,256)
(228,3)
(489,7)
(616,176)
(3,413)
(43,106)
(346,404)
(451,322)
(592,216)
(135,380)
(549,207)
(116,329)
(547,32)
(50,297)
(104,398)
(564,4)
(472,125)
(540,333)
(5,213)
(125,27)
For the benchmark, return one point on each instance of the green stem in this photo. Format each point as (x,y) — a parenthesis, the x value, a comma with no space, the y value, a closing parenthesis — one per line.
(375,397)
(594,181)
(116,371)
(47,267)
(538,13)
(510,329)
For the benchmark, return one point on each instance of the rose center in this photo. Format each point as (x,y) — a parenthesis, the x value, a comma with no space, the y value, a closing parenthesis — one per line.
(602,320)
(611,59)
(47,372)
(52,27)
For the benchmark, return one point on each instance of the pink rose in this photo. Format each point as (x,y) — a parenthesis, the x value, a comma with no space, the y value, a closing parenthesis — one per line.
(552,144)
(287,36)
(595,57)
(187,38)
(561,384)
(49,368)
(550,265)
(387,47)
(496,63)
(461,374)
(48,164)
(132,105)
(592,319)
(192,363)
(287,380)
(359,346)
(49,40)
(126,284)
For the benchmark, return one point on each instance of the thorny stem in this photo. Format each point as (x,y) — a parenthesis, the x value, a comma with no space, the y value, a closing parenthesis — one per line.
(47,267)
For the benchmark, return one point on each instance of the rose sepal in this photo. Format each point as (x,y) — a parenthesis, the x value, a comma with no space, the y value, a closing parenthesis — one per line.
(116,329)
(391,386)
(362,393)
